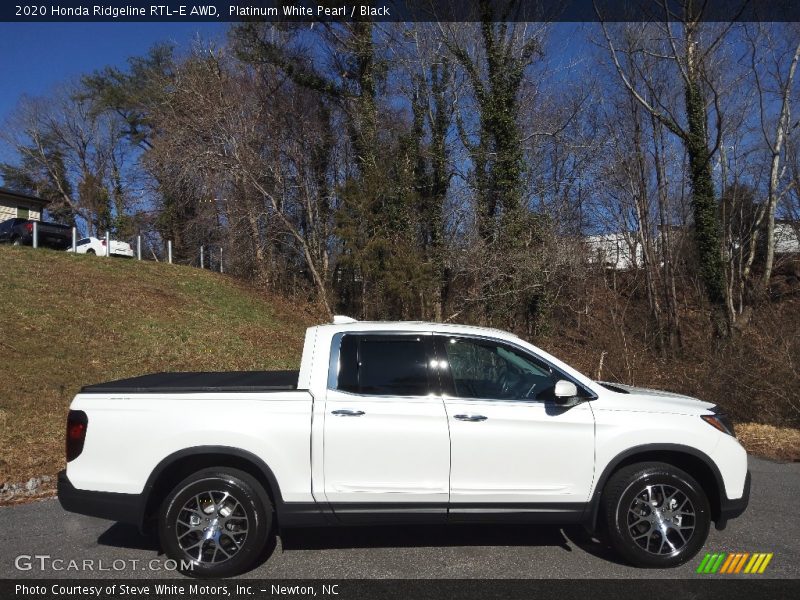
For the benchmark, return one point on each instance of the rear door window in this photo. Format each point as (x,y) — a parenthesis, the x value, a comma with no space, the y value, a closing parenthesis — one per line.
(385,365)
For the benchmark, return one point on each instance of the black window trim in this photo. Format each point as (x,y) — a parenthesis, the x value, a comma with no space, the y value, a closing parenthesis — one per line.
(437,386)
(439,340)
(334,362)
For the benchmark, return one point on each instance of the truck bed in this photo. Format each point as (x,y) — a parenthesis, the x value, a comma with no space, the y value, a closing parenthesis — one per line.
(230,381)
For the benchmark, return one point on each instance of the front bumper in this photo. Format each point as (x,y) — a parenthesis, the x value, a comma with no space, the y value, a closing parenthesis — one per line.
(730,509)
(124,508)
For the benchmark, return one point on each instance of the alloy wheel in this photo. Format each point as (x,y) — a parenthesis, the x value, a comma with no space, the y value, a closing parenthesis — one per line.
(661,519)
(212,526)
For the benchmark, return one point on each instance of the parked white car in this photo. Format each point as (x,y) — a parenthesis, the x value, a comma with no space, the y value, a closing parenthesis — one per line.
(400,423)
(93,245)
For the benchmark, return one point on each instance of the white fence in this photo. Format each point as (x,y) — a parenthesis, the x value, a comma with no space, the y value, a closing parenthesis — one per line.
(138,255)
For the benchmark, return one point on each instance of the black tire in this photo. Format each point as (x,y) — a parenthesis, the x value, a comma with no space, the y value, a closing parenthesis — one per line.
(90,251)
(17,242)
(655,515)
(199,503)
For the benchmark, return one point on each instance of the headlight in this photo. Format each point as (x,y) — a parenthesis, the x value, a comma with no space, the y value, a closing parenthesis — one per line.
(720,420)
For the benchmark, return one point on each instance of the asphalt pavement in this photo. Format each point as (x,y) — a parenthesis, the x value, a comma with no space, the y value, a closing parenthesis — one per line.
(81,547)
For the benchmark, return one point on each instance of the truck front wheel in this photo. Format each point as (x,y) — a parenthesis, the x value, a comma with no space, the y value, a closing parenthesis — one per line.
(656,515)
(215,523)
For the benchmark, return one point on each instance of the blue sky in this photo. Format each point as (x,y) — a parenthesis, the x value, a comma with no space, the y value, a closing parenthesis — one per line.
(36,56)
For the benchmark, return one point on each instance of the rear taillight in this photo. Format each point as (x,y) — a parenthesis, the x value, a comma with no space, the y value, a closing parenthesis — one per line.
(29,227)
(77,423)
(103,242)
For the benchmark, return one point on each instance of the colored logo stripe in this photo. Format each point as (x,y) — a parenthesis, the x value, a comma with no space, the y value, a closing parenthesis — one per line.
(740,564)
(703,563)
(727,564)
(765,563)
(735,562)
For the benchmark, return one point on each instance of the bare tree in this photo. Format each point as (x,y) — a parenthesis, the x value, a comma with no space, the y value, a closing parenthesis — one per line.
(245,136)
(777,48)
(690,55)
(72,156)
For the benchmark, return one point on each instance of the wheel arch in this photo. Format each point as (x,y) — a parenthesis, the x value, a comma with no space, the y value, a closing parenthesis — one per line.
(691,460)
(183,463)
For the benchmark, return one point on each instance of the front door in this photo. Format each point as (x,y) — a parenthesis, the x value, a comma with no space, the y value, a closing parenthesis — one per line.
(386,444)
(514,451)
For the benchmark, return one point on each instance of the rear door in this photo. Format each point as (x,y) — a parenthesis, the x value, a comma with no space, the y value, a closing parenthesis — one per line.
(386,444)
(514,451)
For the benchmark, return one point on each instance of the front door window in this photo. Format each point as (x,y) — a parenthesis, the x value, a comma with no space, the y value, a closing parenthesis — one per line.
(489,370)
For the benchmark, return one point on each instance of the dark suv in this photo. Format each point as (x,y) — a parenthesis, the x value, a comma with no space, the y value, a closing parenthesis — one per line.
(19,232)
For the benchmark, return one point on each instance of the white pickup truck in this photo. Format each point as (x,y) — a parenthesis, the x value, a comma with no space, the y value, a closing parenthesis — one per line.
(400,423)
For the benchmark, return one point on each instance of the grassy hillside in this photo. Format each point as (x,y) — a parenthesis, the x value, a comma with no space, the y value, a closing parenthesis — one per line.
(67,321)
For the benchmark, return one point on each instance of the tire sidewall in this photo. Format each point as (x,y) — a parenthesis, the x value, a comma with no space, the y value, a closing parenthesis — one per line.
(246,490)
(625,544)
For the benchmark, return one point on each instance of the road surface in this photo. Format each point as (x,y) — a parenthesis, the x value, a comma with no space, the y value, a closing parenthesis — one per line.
(771,524)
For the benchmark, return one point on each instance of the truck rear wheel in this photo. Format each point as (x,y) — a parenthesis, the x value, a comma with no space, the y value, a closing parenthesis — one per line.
(656,515)
(215,523)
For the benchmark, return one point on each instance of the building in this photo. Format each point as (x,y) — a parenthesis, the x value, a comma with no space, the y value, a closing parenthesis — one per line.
(621,251)
(614,251)
(17,205)
(787,236)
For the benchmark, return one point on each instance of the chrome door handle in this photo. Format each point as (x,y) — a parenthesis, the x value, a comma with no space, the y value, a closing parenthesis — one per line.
(472,418)
(346,412)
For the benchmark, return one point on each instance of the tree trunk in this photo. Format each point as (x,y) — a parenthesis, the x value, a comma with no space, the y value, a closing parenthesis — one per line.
(706,221)
(774,174)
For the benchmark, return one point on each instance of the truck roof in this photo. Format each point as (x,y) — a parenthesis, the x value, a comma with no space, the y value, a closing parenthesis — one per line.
(347,324)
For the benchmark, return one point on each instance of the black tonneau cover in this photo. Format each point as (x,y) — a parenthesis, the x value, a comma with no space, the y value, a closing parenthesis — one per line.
(230,381)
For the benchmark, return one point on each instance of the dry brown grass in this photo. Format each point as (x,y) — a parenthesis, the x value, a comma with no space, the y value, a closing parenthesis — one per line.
(779,443)
(68,321)
(754,374)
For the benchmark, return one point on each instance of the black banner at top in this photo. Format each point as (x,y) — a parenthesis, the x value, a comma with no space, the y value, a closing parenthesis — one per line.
(397,10)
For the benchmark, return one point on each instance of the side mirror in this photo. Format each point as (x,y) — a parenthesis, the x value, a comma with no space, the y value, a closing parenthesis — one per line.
(566,393)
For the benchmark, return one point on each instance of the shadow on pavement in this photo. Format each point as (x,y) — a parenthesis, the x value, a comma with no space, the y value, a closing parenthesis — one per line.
(121,535)
(407,536)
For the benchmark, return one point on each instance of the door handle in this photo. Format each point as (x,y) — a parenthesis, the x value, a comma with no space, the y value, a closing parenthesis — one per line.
(471,418)
(346,412)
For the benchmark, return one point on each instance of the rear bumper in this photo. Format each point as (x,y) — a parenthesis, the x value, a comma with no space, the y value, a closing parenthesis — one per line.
(730,509)
(124,508)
